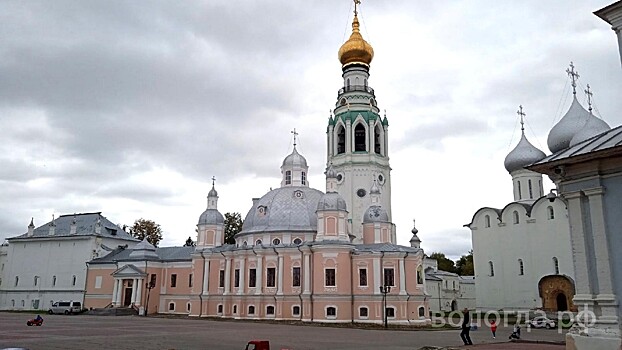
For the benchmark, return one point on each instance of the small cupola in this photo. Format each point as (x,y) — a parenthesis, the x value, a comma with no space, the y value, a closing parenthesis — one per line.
(52,226)
(415,242)
(73,226)
(294,169)
(31,227)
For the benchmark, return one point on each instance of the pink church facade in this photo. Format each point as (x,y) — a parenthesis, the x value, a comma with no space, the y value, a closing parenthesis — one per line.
(302,254)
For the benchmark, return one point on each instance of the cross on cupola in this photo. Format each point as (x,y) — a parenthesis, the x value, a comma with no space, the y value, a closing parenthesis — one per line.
(213,180)
(295,135)
(522,115)
(589,94)
(356,2)
(574,76)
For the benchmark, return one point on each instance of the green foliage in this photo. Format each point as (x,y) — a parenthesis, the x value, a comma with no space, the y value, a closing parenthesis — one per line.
(444,263)
(233,225)
(464,265)
(189,242)
(147,228)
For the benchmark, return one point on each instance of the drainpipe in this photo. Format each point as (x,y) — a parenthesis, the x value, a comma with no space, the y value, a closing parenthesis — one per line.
(302,263)
(406,284)
(311,258)
(202,286)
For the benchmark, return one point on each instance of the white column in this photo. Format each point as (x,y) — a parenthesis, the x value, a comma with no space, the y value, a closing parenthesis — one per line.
(115,291)
(242,287)
(227,276)
(402,278)
(279,289)
(349,138)
(307,273)
(120,294)
(206,278)
(259,275)
(134,282)
(370,138)
(376,285)
(139,289)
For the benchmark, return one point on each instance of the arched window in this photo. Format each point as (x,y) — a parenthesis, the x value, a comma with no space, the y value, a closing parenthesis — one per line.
(556,265)
(491,268)
(220,308)
(297,241)
(360,141)
(288,177)
(16,280)
(550,212)
(331,311)
(36,281)
(377,141)
(235,309)
(258,242)
(521,267)
(515,215)
(487,221)
(303,178)
(269,310)
(341,139)
(276,241)
(530,190)
(421,311)
(53,281)
(348,83)
(251,310)
(171,307)
(520,195)
(188,307)
(73,280)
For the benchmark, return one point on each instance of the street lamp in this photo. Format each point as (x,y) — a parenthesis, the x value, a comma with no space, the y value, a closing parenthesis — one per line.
(385,290)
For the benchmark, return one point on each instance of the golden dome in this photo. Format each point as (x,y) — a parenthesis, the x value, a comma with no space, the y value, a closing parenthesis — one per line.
(356,49)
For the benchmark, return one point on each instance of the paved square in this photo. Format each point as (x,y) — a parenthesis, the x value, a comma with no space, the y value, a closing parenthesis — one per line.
(133,332)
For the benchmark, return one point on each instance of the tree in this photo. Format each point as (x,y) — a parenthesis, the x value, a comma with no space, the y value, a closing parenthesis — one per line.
(147,228)
(444,263)
(464,265)
(233,225)
(189,242)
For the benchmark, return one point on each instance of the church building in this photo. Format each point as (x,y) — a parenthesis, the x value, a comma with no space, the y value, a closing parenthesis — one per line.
(522,253)
(302,254)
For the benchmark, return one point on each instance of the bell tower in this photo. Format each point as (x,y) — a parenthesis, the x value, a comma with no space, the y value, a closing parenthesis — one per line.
(357,135)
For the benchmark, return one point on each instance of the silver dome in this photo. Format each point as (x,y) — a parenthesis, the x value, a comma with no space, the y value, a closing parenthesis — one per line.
(522,155)
(375,213)
(290,208)
(212,192)
(211,217)
(571,123)
(331,201)
(593,126)
(294,160)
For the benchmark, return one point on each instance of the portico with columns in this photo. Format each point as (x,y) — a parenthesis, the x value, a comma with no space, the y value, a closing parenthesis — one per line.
(128,282)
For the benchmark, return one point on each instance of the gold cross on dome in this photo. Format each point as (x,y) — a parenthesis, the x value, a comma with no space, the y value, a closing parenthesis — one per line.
(521,114)
(356,2)
(295,134)
(573,76)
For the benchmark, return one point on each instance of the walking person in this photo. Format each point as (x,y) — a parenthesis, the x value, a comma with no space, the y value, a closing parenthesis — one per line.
(493,328)
(466,327)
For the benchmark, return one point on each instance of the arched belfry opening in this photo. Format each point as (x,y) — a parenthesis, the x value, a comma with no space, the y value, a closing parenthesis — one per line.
(378,140)
(562,302)
(360,144)
(341,139)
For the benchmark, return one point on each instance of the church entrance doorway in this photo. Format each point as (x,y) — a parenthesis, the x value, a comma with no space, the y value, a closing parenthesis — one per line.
(454,305)
(562,303)
(127,292)
(557,292)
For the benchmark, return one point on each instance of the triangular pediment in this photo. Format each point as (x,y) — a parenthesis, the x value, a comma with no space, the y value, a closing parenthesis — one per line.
(128,271)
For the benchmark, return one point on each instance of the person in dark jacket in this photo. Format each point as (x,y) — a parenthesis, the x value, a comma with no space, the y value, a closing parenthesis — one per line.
(466,327)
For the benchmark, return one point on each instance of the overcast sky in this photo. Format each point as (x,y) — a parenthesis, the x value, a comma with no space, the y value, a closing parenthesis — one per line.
(130,107)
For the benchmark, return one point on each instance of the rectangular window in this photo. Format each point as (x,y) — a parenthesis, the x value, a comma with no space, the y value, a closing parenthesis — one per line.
(296,277)
(389,277)
(236,279)
(329,280)
(288,177)
(252,278)
(304,178)
(152,282)
(221,279)
(98,282)
(173,280)
(271,277)
(190,280)
(363,277)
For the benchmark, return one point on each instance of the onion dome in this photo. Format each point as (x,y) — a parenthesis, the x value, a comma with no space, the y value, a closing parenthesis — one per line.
(356,49)
(375,213)
(593,126)
(211,217)
(212,192)
(570,124)
(522,155)
(331,201)
(295,159)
